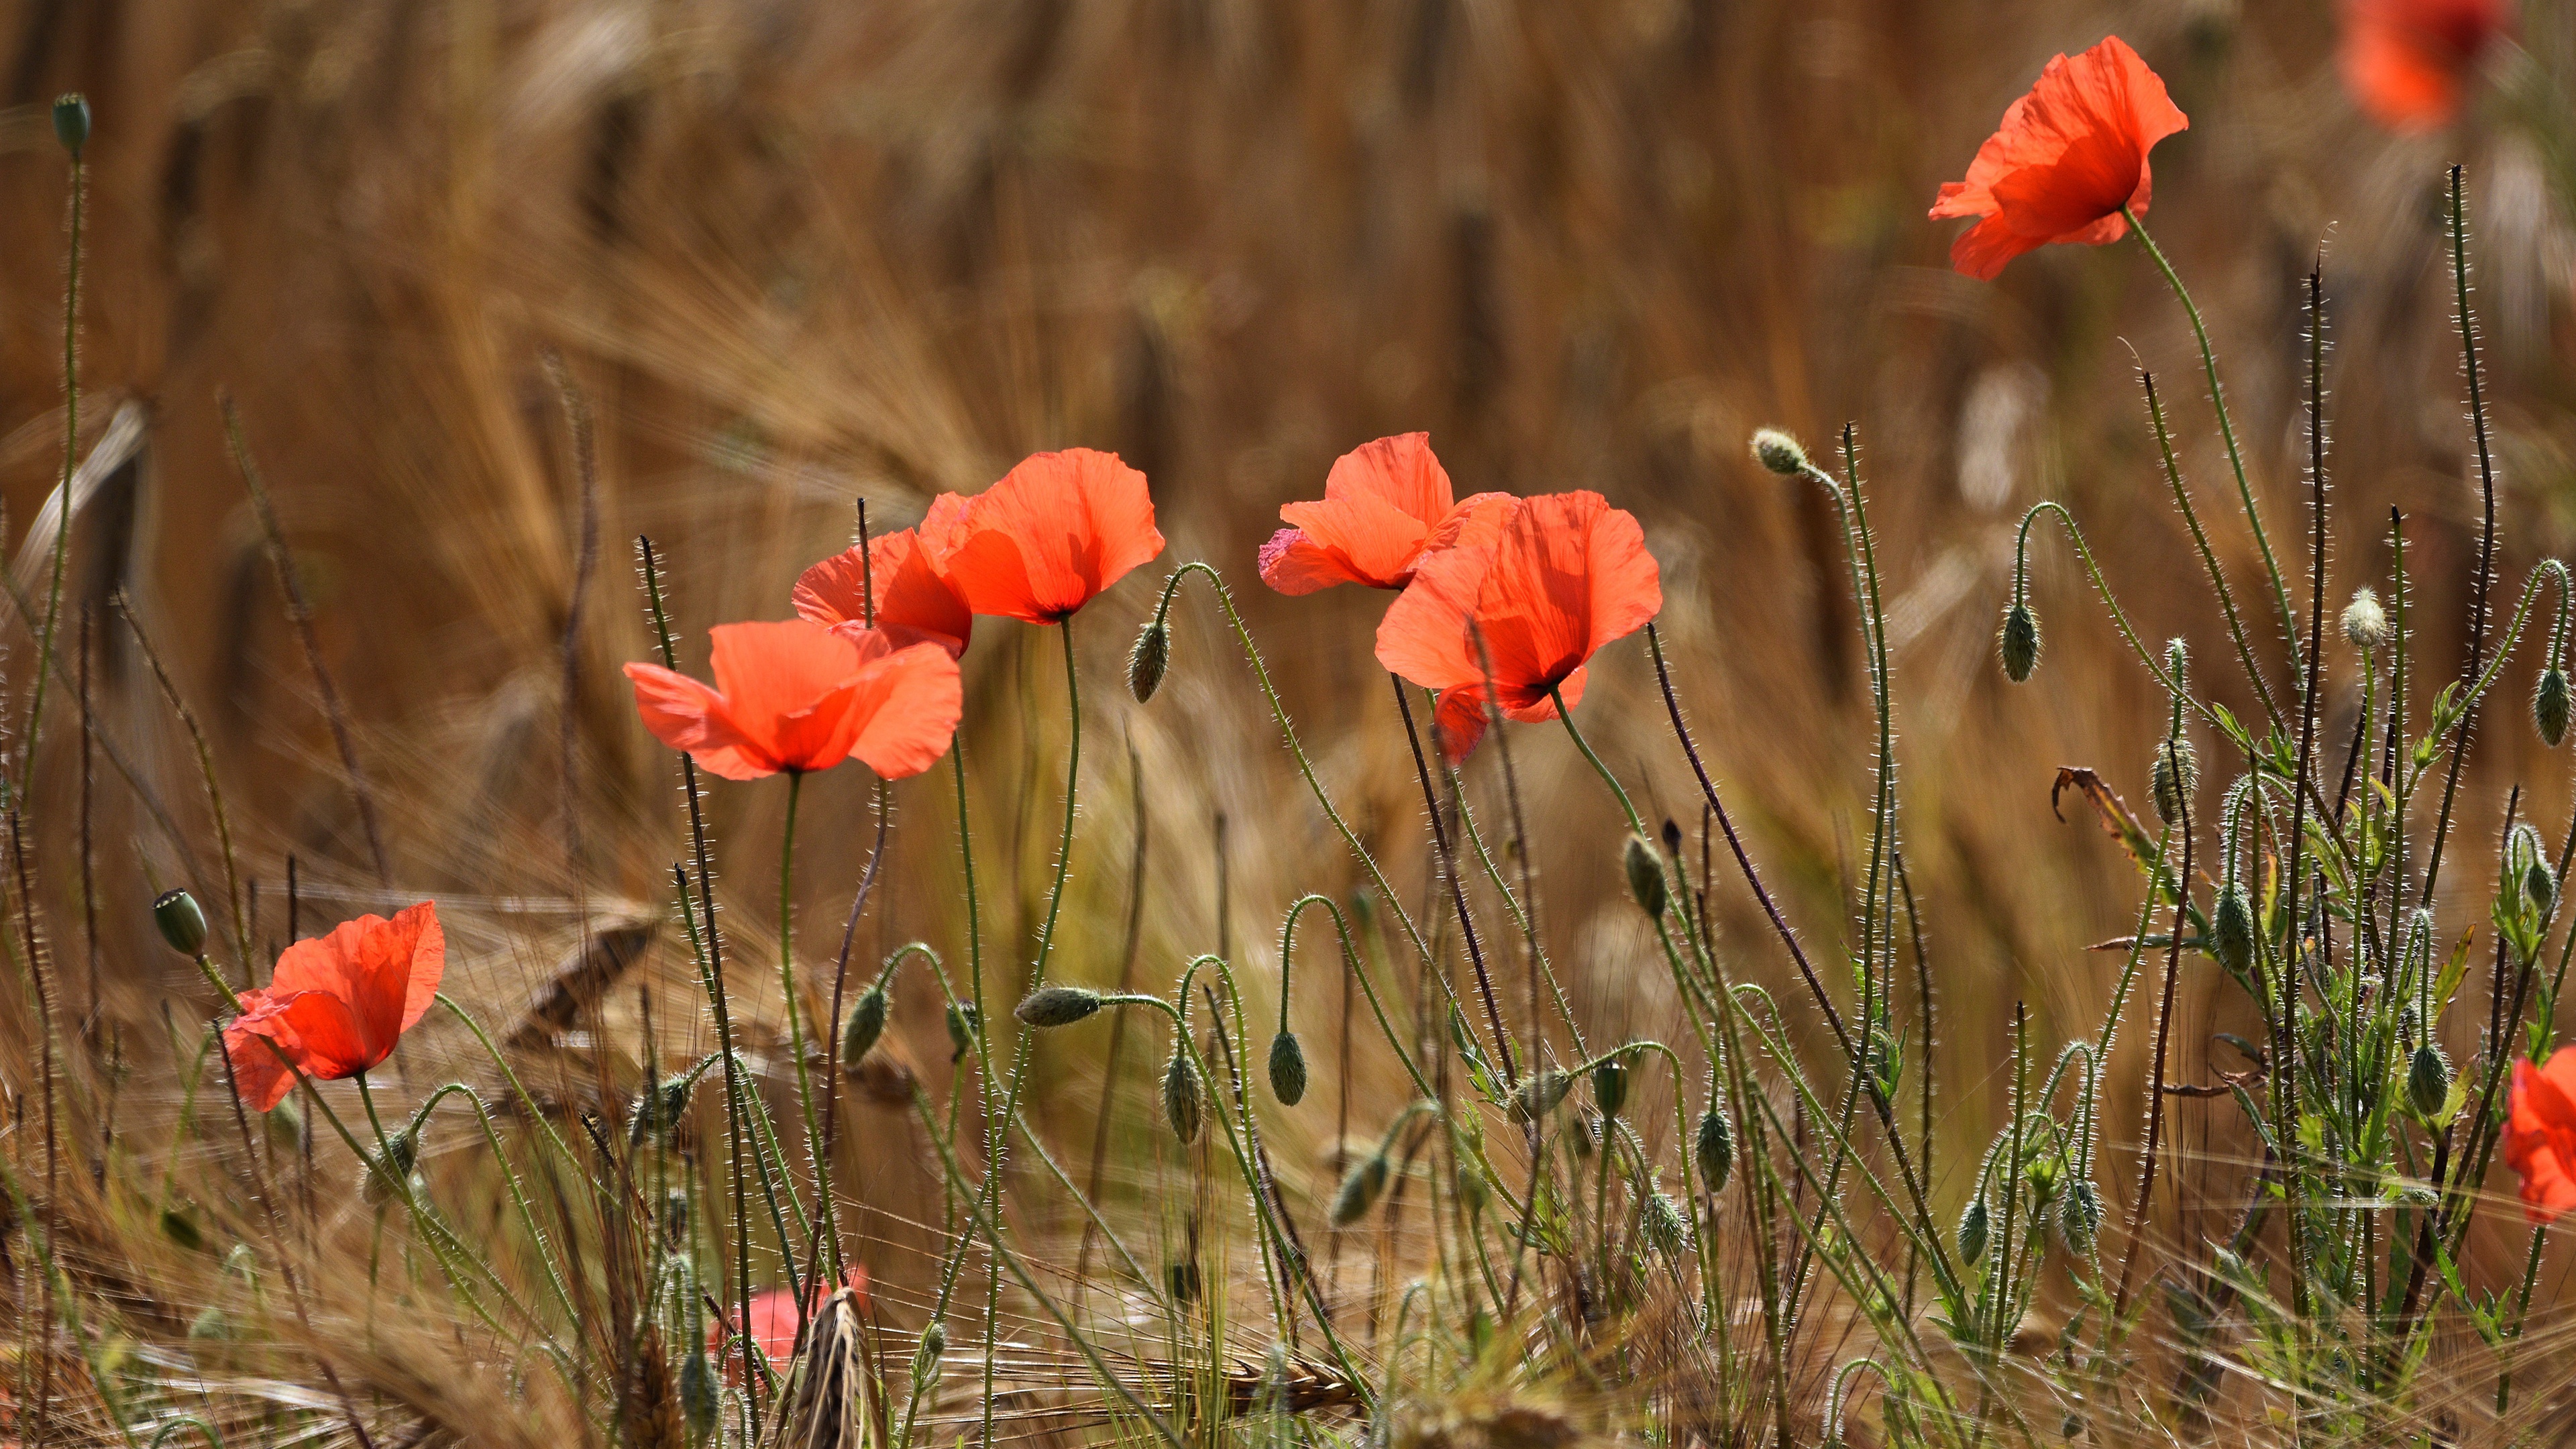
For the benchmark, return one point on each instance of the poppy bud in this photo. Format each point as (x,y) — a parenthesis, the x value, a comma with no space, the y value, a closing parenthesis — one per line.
(2175,777)
(2549,706)
(388,1173)
(962,1024)
(2080,1217)
(1645,875)
(1779,452)
(1539,1094)
(1359,1190)
(1663,1225)
(2019,643)
(2428,1080)
(71,121)
(1287,1069)
(182,924)
(1147,661)
(2042,1177)
(1972,1232)
(1052,1006)
(867,1022)
(1471,1190)
(934,1341)
(698,1396)
(2538,884)
(2231,931)
(1716,1149)
(1181,1096)
(2365,623)
(286,1125)
(1610,1087)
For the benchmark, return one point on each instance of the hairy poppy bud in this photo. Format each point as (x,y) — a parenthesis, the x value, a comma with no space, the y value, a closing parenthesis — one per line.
(658,1110)
(1779,452)
(182,923)
(1051,1006)
(71,121)
(1663,1225)
(1360,1188)
(2428,1080)
(1610,1087)
(1181,1096)
(698,1396)
(1287,1069)
(962,1025)
(2175,777)
(388,1173)
(867,1022)
(1645,875)
(2042,1176)
(1147,661)
(2365,623)
(2549,706)
(2079,1217)
(2538,885)
(2018,645)
(2231,930)
(1972,1232)
(934,1341)
(1539,1094)
(1716,1150)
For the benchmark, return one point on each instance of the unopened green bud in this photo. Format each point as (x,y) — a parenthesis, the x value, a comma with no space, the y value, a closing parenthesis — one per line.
(2365,623)
(698,1396)
(210,1324)
(2549,706)
(1472,1191)
(2079,1217)
(1779,452)
(1538,1094)
(1148,660)
(2231,930)
(1052,1006)
(182,924)
(1181,1096)
(1610,1087)
(934,1340)
(1287,1069)
(2538,884)
(1716,1150)
(1645,875)
(962,1025)
(2175,777)
(2018,645)
(1663,1225)
(2042,1174)
(867,1023)
(1360,1188)
(1972,1232)
(2428,1080)
(71,121)
(387,1176)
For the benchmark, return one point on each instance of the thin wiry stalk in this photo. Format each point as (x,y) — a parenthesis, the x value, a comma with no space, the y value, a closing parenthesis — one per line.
(2485,576)
(77,205)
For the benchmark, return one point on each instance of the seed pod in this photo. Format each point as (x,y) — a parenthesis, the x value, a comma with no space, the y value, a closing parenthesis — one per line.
(1181,1096)
(2549,706)
(1147,661)
(1539,1094)
(2231,931)
(1779,452)
(698,1396)
(1360,1188)
(1972,1232)
(2019,643)
(962,1024)
(1645,875)
(1663,1225)
(2175,777)
(71,121)
(2079,1217)
(2365,623)
(1287,1069)
(182,923)
(1610,1087)
(2428,1080)
(867,1023)
(1053,1006)
(1716,1149)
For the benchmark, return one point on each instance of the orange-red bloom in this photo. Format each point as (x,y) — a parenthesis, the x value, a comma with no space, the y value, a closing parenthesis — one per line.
(2406,63)
(794,695)
(1386,504)
(1564,574)
(772,1325)
(2067,157)
(1045,540)
(2540,1134)
(336,1004)
(914,601)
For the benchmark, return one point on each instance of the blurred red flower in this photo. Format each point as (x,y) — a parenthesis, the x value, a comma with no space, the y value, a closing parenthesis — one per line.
(2540,1134)
(1564,574)
(2406,63)
(336,1004)
(794,695)
(2067,157)
(915,603)
(1045,540)
(1386,504)
(772,1325)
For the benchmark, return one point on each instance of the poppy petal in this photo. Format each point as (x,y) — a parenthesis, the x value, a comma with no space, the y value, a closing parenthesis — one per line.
(908,701)
(1370,540)
(913,600)
(1047,538)
(1401,472)
(1294,564)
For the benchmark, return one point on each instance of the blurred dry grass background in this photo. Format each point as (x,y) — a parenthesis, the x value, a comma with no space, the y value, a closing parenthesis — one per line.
(797,251)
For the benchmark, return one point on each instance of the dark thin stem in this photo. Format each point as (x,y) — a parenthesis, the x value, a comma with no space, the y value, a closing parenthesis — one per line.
(2164,1038)
(2478,611)
(1457,891)
(71,470)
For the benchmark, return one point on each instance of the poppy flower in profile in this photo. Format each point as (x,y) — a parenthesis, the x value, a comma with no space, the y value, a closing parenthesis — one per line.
(1386,504)
(1564,574)
(772,1325)
(914,602)
(2540,1134)
(2067,157)
(1044,541)
(795,696)
(336,1004)
(2407,63)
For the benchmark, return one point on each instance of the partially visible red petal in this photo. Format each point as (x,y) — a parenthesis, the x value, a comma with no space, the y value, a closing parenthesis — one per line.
(1401,472)
(1294,564)
(908,702)
(913,600)
(1372,541)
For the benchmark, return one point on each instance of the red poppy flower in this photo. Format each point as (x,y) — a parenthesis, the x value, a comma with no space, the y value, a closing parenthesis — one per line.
(2067,157)
(336,1004)
(914,602)
(1045,540)
(1564,574)
(1385,505)
(2540,1134)
(772,1325)
(2407,63)
(794,695)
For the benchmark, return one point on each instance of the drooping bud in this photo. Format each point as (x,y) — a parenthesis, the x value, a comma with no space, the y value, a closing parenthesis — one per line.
(2549,706)
(867,1022)
(2176,776)
(2231,930)
(2018,645)
(1645,875)
(1538,1094)
(1181,1096)
(1663,1225)
(2539,885)
(2365,623)
(1287,1069)
(962,1024)
(1972,1232)
(71,121)
(1148,660)
(2079,1217)
(1779,452)
(698,1396)
(1610,1087)
(1716,1150)
(387,1175)
(1360,1188)
(2526,866)
(182,923)
(2428,1080)
(1052,1006)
